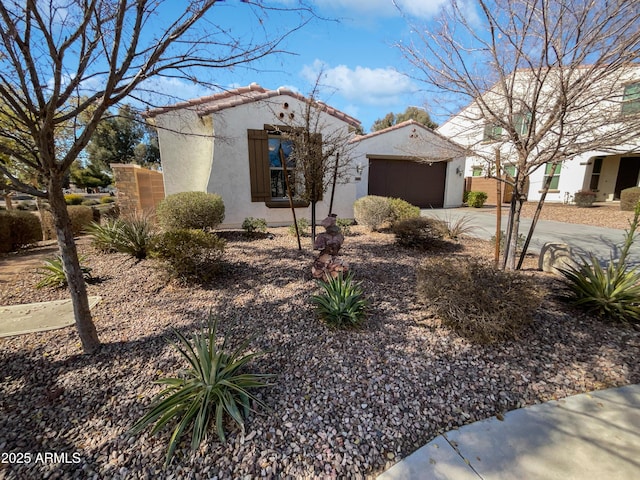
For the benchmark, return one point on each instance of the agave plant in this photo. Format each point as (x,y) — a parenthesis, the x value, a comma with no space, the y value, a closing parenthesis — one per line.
(214,387)
(53,272)
(133,236)
(342,302)
(612,292)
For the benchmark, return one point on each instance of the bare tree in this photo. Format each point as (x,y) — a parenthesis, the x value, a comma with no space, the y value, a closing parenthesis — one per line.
(542,81)
(320,149)
(66,59)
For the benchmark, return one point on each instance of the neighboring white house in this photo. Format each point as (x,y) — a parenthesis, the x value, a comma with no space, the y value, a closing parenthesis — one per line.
(606,170)
(412,162)
(229,144)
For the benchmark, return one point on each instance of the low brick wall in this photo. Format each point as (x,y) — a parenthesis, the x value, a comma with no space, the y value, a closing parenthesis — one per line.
(139,190)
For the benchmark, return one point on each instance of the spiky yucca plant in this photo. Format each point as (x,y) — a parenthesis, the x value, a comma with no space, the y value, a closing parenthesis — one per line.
(342,302)
(612,292)
(215,386)
(53,272)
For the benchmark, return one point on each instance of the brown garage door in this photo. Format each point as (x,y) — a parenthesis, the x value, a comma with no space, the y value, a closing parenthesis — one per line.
(420,184)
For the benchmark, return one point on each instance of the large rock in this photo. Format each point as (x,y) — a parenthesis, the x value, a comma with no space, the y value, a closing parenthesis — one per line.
(554,256)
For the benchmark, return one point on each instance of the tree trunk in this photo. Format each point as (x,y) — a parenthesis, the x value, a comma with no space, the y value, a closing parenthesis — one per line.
(7,201)
(514,223)
(77,287)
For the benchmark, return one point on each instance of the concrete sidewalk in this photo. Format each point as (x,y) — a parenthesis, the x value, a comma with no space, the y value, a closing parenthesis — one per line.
(589,436)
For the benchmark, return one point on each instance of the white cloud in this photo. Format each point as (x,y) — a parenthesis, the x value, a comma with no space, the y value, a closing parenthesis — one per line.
(371,86)
(415,8)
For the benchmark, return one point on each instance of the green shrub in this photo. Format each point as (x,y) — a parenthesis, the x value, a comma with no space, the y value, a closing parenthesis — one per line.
(136,237)
(107,199)
(420,232)
(465,196)
(584,198)
(629,198)
(475,299)
(254,225)
(304,228)
(476,199)
(53,272)
(402,210)
(372,211)
(344,224)
(190,254)
(18,230)
(73,199)
(90,202)
(215,385)
(611,292)
(342,303)
(189,210)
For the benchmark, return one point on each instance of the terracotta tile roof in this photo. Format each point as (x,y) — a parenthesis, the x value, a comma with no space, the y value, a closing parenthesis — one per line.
(240,96)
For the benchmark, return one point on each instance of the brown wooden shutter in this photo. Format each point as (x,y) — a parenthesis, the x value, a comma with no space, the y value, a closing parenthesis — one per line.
(259,165)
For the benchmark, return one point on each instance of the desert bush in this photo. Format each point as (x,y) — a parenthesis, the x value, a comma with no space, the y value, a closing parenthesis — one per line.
(304,228)
(53,275)
(402,210)
(372,211)
(215,387)
(629,198)
(459,227)
(476,199)
(584,198)
(18,229)
(27,206)
(191,210)
(106,236)
(190,254)
(475,299)
(611,292)
(254,225)
(420,232)
(107,199)
(344,224)
(73,199)
(136,236)
(341,303)
(81,217)
(90,202)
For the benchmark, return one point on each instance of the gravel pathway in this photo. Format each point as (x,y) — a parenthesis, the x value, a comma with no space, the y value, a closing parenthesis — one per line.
(343,404)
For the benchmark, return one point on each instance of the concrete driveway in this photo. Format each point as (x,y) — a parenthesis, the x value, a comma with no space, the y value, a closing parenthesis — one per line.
(602,242)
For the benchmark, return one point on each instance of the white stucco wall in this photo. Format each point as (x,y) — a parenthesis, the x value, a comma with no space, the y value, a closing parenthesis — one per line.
(222,165)
(413,142)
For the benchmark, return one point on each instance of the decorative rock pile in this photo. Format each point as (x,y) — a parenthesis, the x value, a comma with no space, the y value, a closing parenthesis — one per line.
(327,264)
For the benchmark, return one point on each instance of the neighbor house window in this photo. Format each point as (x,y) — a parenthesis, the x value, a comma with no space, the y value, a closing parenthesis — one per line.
(492,132)
(555,180)
(266,173)
(595,174)
(477,171)
(280,150)
(510,170)
(521,123)
(631,99)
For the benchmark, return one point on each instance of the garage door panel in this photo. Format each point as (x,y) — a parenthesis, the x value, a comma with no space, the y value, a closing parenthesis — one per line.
(418,183)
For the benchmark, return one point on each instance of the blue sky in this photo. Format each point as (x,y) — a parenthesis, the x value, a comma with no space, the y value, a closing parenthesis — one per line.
(364,72)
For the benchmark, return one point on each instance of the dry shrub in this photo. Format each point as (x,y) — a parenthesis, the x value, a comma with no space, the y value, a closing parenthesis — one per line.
(476,300)
(629,198)
(372,211)
(81,217)
(420,232)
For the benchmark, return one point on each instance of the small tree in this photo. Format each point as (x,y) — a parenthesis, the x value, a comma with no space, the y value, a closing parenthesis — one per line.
(540,80)
(321,151)
(411,113)
(63,65)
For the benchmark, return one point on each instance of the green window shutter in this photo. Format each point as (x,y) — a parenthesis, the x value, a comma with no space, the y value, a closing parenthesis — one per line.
(510,170)
(555,181)
(631,99)
(259,165)
(521,123)
(476,171)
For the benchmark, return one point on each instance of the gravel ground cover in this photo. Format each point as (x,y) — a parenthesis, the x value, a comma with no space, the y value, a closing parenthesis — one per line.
(344,404)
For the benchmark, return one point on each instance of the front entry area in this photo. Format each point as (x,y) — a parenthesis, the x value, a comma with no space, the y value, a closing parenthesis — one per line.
(419,183)
(628,173)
